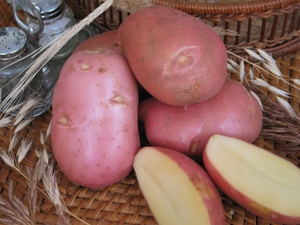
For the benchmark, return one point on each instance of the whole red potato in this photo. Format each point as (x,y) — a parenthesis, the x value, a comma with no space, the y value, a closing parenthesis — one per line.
(177,58)
(107,39)
(94,126)
(232,112)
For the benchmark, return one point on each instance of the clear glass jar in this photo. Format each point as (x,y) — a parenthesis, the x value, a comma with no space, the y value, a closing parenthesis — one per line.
(14,49)
(57,17)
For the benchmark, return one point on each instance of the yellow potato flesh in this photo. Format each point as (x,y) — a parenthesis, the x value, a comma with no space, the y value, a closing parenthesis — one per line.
(261,176)
(170,194)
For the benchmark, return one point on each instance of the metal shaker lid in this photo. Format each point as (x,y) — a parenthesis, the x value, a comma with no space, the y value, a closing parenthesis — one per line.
(50,8)
(12,43)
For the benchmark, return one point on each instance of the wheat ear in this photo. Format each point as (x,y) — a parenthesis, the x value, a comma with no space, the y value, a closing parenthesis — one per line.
(50,52)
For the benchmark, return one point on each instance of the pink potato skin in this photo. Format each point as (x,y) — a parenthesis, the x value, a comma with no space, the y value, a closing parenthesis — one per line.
(232,112)
(242,200)
(202,183)
(94,127)
(177,58)
(106,39)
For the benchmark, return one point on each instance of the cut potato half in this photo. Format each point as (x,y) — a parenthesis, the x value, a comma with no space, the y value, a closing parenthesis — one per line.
(260,181)
(177,190)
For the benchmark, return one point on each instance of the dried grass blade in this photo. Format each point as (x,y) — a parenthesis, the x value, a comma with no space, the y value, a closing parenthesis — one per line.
(37,153)
(222,31)
(258,99)
(251,74)
(260,82)
(273,69)
(48,130)
(13,142)
(10,213)
(17,204)
(62,216)
(19,118)
(278,91)
(266,56)
(287,106)
(51,51)
(8,158)
(2,200)
(27,106)
(6,221)
(242,71)
(254,55)
(42,138)
(22,208)
(13,108)
(40,168)
(6,121)
(26,145)
(32,192)
(231,69)
(8,210)
(131,5)
(10,217)
(234,64)
(45,156)
(34,176)
(23,124)
(296,81)
(50,184)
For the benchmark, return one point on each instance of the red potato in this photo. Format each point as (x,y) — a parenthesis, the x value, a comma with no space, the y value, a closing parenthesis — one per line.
(177,58)
(232,112)
(106,39)
(177,189)
(94,127)
(261,182)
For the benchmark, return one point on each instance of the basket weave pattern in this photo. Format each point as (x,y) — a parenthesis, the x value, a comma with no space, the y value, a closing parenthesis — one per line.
(122,203)
(5,14)
(272,25)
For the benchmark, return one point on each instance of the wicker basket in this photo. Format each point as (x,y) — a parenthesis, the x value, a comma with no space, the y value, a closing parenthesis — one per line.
(272,25)
(122,203)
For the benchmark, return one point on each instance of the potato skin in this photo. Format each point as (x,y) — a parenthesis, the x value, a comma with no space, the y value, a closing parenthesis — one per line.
(106,39)
(252,174)
(94,127)
(232,112)
(109,40)
(196,174)
(177,58)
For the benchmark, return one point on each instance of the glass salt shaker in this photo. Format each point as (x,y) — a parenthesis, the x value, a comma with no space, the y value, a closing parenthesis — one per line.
(46,20)
(14,60)
(57,17)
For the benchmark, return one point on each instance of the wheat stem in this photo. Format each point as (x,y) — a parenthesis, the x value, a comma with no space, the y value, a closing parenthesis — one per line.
(51,51)
(63,207)
(263,70)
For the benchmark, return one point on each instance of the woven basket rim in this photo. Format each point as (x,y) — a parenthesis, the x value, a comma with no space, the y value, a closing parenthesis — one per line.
(224,8)
(277,51)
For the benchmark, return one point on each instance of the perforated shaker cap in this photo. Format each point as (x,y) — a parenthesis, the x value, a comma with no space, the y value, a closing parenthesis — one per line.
(12,43)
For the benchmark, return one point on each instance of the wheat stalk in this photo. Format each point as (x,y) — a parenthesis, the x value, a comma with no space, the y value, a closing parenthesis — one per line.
(53,47)
(270,67)
(43,169)
(15,211)
(279,125)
